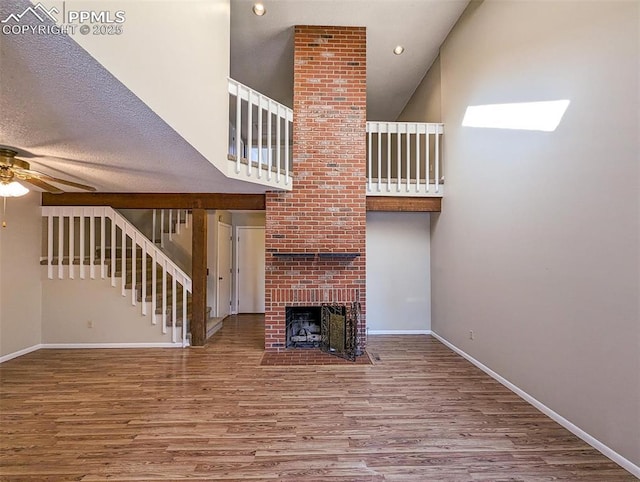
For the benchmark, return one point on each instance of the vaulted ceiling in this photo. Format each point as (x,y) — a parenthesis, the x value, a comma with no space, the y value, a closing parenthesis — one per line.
(71,118)
(262,47)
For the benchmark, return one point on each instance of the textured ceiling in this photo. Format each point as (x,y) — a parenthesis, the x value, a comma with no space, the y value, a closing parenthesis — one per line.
(71,118)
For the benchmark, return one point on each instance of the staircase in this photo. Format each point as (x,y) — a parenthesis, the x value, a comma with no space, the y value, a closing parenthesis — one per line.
(145,275)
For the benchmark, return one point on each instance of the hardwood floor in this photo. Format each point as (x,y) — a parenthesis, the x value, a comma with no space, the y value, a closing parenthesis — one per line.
(420,413)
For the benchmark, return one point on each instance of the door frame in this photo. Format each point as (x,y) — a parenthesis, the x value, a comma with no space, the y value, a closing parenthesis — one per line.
(230,274)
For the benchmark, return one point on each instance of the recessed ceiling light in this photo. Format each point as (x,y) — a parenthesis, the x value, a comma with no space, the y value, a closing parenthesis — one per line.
(259,10)
(398,50)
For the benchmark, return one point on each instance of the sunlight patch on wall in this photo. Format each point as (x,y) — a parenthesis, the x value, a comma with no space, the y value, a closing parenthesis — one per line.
(532,116)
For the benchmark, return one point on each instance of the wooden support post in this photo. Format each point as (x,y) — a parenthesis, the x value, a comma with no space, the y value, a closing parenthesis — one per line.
(199,277)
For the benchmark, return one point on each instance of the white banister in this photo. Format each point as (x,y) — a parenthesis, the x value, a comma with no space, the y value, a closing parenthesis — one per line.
(278,149)
(404,169)
(286,153)
(399,159)
(60,246)
(369,158)
(113,248)
(72,252)
(174,292)
(144,277)
(274,153)
(388,160)
(428,163)
(106,222)
(418,159)
(164,295)
(407,158)
(153,226)
(238,125)
(154,288)
(162,228)
(103,230)
(249,131)
(50,246)
(437,164)
(260,161)
(379,158)
(82,249)
(123,259)
(184,311)
(134,268)
(269,134)
(92,246)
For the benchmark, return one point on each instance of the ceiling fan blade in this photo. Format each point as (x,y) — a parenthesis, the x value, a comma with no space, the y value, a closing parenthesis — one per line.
(30,174)
(67,183)
(43,185)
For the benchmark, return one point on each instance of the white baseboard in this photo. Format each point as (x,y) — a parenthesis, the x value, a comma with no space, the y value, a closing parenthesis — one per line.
(44,346)
(18,353)
(109,345)
(574,429)
(398,332)
(215,328)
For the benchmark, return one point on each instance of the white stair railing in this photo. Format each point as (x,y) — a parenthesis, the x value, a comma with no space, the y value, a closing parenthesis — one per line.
(260,136)
(168,221)
(404,159)
(65,247)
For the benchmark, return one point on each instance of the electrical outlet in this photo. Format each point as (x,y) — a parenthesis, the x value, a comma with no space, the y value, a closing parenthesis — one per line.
(90,324)
(470,334)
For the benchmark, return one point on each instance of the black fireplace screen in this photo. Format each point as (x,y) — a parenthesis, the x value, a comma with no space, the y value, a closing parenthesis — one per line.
(339,330)
(331,327)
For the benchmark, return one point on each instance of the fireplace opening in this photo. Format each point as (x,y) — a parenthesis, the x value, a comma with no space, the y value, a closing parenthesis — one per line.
(303,326)
(333,328)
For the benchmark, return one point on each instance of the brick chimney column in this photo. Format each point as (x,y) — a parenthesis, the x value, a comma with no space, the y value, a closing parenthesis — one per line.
(326,211)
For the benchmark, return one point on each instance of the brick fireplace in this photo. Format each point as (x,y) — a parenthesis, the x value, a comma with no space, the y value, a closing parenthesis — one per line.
(315,234)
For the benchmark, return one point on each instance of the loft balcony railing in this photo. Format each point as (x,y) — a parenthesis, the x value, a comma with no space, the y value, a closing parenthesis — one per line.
(404,159)
(260,138)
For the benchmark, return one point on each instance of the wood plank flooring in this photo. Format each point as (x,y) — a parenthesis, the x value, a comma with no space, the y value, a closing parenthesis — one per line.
(419,413)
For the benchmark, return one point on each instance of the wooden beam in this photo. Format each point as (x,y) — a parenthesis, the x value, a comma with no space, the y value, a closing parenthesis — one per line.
(251,202)
(199,277)
(404,204)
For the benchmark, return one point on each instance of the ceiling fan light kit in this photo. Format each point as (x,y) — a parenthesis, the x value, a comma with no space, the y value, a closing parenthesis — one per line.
(14,171)
(12,189)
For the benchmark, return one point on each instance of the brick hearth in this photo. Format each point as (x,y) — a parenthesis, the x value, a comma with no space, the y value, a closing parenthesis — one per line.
(326,211)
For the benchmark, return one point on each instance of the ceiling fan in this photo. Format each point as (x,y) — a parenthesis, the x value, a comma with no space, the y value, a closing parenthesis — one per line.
(15,172)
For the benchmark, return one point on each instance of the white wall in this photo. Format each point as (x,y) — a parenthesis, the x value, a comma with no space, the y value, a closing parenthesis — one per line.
(69,305)
(20,285)
(179,48)
(398,272)
(425,103)
(537,246)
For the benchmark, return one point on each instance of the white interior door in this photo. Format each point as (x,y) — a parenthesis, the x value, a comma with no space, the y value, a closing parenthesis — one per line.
(250,254)
(224,273)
